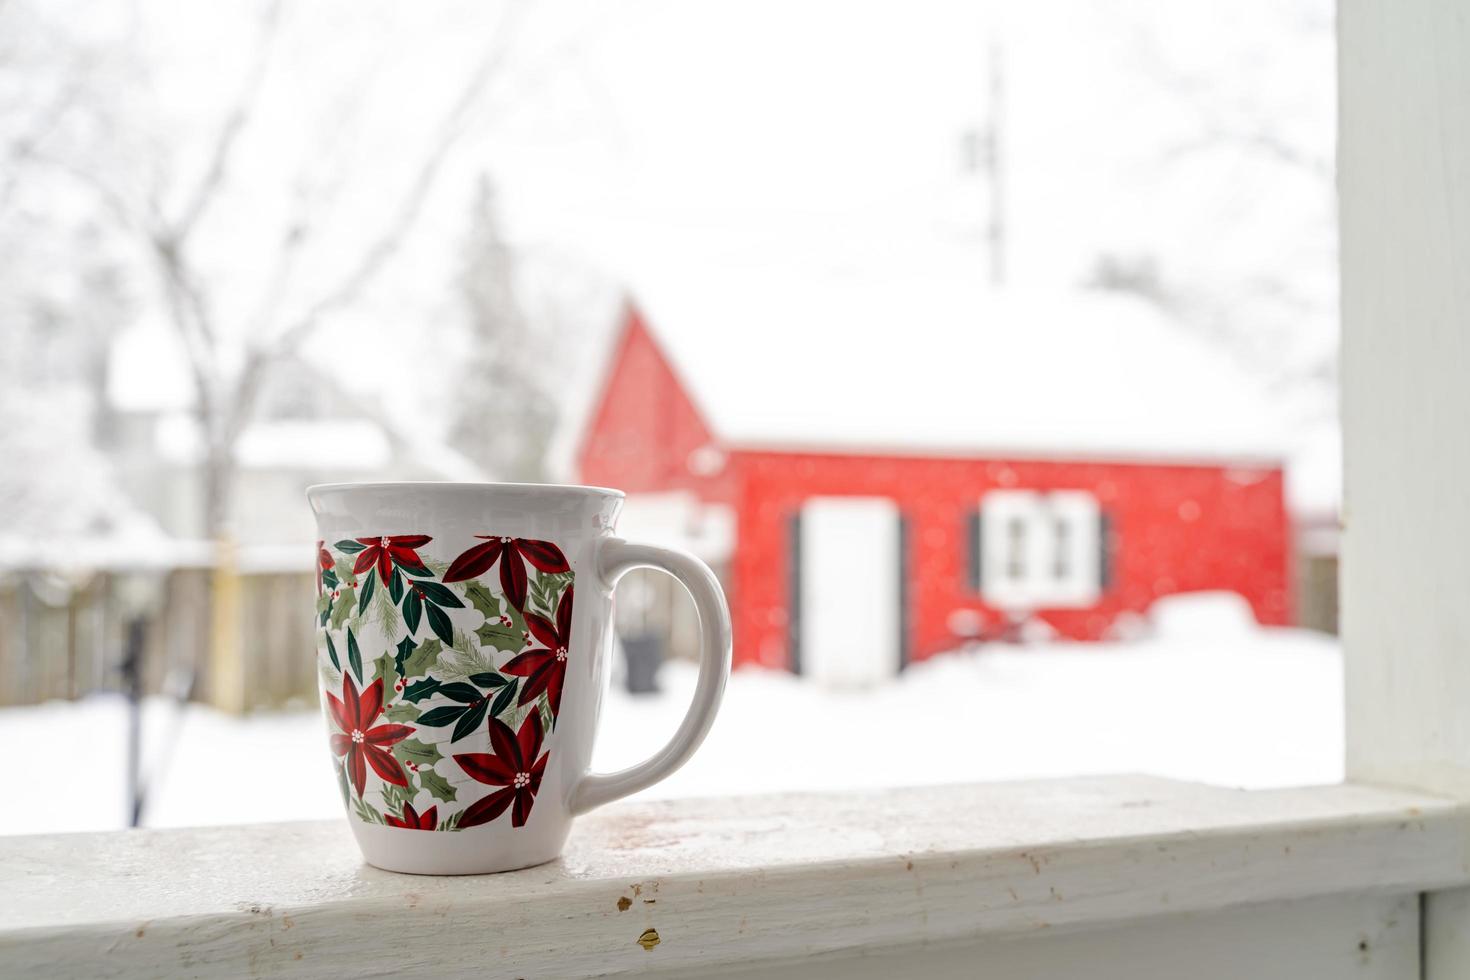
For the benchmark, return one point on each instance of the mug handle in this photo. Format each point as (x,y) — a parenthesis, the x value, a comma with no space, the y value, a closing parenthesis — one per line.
(615,558)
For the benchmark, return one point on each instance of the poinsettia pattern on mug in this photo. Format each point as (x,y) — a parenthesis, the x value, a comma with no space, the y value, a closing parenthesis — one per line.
(442,674)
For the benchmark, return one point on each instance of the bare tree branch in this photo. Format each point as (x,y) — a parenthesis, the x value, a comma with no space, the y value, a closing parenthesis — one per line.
(199,362)
(224,408)
(258,360)
(235,121)
(1262,141)
(26,148)
(391,240)
(296,236)
(1195,89)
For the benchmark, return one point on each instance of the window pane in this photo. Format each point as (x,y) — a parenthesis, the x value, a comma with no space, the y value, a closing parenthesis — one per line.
(986,352)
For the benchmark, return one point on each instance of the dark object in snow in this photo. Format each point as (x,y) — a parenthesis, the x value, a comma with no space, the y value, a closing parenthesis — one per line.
(643,655)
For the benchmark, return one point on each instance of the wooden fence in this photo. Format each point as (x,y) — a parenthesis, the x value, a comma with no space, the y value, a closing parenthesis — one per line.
(63,638)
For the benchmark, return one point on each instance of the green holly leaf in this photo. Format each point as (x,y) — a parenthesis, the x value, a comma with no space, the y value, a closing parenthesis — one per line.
(439,622)
(488,679)
(504,700)
(383,670)
(365,591)
(342,608)
(424,656)
(413,608)
(442,715)
(395,586)
(348,546)
(354,656)
(421,753)
(440,595)
(470,721)
(329,578)
(437,786)
(405,647)
(461,692)
(402,712)
(419,690)
(483,599)
(323,602)
(506,639)
(332,652)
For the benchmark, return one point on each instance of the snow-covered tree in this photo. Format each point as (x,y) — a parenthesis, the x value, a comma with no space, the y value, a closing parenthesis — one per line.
(63,287)
(244,178)
(505,415)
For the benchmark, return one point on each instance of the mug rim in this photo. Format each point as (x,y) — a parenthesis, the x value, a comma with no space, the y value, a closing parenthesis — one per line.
(319,488)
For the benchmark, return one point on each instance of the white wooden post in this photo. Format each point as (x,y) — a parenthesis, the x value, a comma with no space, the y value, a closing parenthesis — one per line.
(1404,155)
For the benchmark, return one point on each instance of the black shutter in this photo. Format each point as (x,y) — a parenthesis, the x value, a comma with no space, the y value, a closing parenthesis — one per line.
(793,600)
(903,591)
(974,556)
(1104,552)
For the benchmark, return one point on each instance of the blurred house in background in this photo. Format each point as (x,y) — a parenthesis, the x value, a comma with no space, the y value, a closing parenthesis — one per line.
(130,540)
(1168,168)
(886,467)
(1314,495)
(307,429)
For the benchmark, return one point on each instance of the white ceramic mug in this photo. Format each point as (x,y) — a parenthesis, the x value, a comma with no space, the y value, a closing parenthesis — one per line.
(463,638)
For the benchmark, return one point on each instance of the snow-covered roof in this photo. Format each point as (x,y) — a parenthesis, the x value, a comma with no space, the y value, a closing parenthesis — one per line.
(147,370)
(936,361)
(284,444)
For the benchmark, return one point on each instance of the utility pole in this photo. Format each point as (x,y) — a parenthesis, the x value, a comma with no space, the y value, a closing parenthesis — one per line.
(995,168)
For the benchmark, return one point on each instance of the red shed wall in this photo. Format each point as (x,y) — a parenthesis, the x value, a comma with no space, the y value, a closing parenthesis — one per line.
(644,425)
(1174,529)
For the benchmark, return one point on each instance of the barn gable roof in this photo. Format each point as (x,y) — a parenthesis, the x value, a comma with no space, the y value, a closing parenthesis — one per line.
(936,362)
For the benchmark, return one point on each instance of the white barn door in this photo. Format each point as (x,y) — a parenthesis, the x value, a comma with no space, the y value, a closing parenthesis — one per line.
(849,595)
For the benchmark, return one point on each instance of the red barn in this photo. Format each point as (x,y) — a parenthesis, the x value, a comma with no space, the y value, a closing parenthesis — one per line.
(907,464)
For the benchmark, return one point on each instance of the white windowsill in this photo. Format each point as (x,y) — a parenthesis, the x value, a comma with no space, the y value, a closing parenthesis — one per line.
(722,881)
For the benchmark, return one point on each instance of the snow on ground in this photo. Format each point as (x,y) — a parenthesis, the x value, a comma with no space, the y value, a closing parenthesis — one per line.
(1207,700)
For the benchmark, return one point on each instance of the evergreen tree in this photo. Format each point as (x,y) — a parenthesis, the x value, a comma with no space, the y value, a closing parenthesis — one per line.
(505,416)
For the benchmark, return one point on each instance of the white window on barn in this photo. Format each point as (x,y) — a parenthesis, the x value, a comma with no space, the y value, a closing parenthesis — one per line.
(1039,550)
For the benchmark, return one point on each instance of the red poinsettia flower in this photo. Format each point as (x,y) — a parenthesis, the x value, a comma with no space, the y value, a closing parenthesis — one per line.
(324,563)
(545,669)
(412,820)
(512,553)
(514,766)
(390,550)
(362,744)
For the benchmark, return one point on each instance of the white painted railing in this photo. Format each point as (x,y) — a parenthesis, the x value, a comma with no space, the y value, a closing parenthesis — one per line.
(1097,877)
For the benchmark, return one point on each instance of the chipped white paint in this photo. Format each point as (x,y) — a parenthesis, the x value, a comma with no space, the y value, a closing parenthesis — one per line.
(723,886)
(1365,937)
(1404,165)
(1405,161)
